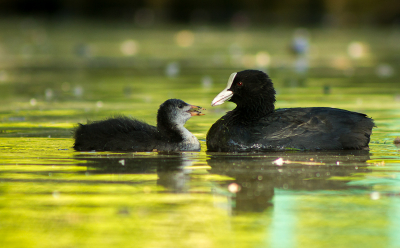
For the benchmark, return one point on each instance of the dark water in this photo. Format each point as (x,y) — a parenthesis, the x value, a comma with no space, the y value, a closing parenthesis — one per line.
(54,76)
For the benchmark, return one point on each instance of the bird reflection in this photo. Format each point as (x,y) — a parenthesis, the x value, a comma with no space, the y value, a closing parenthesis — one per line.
(258,175)
(170,167)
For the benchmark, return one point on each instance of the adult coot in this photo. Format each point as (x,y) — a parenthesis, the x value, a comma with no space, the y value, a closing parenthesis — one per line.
(127,134)
(255,125)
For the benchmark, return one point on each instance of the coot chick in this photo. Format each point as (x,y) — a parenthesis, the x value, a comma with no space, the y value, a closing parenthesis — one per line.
(127,134)
(255,125)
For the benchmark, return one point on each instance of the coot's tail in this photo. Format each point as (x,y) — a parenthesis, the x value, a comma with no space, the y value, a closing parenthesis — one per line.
(360,134)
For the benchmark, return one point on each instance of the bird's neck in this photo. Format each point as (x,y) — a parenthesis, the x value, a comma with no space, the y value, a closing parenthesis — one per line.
(255,110)
(190,142)
(179,134)
(171,131)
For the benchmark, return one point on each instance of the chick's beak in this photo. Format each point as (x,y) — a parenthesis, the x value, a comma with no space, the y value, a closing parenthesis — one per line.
(195,110)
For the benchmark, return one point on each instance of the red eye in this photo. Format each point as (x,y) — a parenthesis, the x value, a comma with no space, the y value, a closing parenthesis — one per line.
(239,84)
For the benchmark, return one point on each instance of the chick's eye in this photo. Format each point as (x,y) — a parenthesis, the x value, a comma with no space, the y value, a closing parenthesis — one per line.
(180,106)
(239,84)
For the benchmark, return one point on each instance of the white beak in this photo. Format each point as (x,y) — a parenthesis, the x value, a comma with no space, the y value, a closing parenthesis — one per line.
(226,93)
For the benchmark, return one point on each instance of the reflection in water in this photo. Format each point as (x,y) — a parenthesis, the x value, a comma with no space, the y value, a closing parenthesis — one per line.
(258,176)
(168,166)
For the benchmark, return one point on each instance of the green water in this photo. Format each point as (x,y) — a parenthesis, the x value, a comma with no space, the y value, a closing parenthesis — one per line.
(53,76)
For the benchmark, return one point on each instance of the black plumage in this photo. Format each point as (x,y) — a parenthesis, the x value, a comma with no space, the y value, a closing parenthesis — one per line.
(255,125)
(127,134)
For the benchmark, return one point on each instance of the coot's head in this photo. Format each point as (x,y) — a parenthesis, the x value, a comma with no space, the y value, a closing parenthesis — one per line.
(248,89)
(176,112)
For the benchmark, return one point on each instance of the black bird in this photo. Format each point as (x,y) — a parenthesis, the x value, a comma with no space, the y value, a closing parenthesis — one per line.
(127,134)
(255,125)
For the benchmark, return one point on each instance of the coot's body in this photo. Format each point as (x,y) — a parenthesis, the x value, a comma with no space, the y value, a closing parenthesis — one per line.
(254,125)
(127,134)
